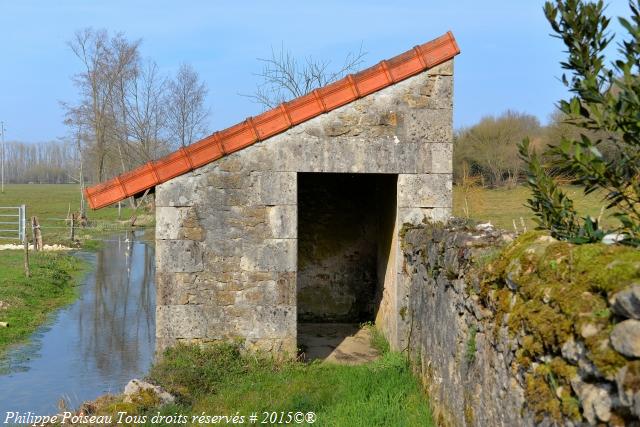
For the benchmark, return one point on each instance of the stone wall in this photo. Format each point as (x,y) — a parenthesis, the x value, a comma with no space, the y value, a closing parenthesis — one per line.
(444,318)
(227,233)
(523,334)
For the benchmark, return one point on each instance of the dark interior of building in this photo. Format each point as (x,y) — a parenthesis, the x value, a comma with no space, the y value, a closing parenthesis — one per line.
(345,227)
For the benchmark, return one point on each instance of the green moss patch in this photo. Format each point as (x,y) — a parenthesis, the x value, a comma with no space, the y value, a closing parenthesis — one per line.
(546,292)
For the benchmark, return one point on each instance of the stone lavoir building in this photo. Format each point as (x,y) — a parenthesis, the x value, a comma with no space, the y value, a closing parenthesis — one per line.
(294,215)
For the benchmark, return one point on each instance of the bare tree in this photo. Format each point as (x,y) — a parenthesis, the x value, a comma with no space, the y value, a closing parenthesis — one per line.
(49,162)
(121,120)
(128,113)
(284,77)
(146,114)
(105,59)
(186,113)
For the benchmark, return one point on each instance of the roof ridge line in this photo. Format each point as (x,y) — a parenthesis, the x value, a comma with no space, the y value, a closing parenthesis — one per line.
(286,115)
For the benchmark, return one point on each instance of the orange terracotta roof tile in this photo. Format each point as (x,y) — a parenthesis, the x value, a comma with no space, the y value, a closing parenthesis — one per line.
(275,121)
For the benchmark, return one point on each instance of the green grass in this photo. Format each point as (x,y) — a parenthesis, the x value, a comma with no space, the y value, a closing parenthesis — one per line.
(378,341)
(51,204)
(381,393)
(502,206)
(221,380)
(26,301)
(470,352)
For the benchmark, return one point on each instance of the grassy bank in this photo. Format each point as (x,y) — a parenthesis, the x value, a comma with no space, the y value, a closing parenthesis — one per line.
(502,206)
(25,302)
(220,380)
(51,204)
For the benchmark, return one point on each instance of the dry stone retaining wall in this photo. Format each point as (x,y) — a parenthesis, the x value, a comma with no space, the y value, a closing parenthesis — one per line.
(499,344)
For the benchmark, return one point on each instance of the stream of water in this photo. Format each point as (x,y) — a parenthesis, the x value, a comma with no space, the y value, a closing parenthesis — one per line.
(95,345)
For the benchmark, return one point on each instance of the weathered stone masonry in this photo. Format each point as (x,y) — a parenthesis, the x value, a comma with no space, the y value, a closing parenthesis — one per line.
(463,391)
(501,335)
(227,233)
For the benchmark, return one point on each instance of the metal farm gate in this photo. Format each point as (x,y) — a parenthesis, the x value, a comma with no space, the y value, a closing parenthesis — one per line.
(13,222)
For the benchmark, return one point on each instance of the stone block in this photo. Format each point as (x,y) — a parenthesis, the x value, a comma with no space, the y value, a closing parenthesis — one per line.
(288,150)
(406,157)
(442,93)
(259,156)
(441,157)
(255,290)
(180,191)
(188,321)
(227,180)
(424,190)
(625,338)
(382,154)
(283,221)
(232,163)
(275,188)
(435,93)
(281,348)
(270,255)
(285,292)
(168,219)
(174,288)
(444,69)
(427,125)
(179,256)
(272,322)
(419,215)
(178,223)
(626,303)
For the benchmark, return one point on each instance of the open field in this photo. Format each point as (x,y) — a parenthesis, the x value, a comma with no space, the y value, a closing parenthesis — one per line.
(504,205)
(51,204)
(25,302)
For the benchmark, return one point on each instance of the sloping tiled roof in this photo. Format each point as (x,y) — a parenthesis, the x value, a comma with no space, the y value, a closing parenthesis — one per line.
(272,122)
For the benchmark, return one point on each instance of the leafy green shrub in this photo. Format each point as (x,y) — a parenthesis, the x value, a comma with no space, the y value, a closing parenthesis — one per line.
(488,150)
(605,98)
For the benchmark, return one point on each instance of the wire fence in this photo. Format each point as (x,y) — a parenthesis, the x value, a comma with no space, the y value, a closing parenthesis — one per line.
(34,233)
(16,227)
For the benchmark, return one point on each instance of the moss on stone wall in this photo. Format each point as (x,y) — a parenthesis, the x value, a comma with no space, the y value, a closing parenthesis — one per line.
(548,293)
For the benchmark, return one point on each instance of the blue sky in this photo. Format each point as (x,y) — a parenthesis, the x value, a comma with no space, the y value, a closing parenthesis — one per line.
(508,59)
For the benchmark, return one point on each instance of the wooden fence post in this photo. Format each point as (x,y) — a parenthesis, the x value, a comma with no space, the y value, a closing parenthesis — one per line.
(33,233)
(37,234)
(27,271)
(72,230)
(25,240)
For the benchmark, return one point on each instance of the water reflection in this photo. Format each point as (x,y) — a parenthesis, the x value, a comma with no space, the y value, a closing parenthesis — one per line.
(95,345)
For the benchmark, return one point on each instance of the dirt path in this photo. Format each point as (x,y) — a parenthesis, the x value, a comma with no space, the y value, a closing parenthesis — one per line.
(343,343)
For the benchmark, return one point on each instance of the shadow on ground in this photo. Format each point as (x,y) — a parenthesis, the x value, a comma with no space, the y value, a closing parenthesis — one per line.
(343,343)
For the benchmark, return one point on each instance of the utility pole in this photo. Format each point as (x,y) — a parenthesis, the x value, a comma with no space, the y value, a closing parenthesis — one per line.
(2,168)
